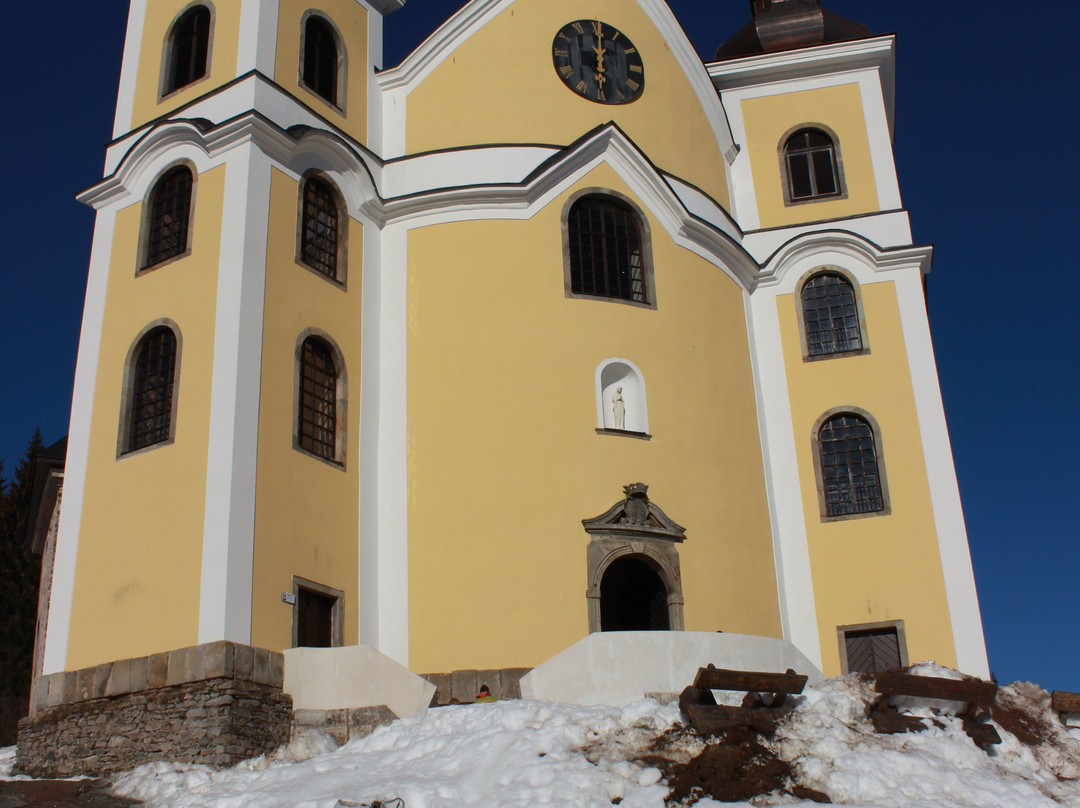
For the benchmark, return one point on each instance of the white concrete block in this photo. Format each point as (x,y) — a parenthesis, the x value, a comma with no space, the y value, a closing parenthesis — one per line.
(619,667)
(351,677)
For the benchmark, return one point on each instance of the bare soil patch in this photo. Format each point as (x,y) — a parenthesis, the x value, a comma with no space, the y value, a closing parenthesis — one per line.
(59,794)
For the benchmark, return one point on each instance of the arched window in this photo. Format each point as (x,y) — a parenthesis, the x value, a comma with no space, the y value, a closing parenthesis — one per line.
(152,378)
(850,473)
(320,233)
(187,47)
(810,160)
(317,410)
(605,251)
(320,59)
(830,315)
(169,211)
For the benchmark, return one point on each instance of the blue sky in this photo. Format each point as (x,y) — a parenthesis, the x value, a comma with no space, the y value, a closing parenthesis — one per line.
(985,105)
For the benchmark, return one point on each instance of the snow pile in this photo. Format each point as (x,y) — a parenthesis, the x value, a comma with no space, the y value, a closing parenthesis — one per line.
(524,754)
(7,762)
(514,753)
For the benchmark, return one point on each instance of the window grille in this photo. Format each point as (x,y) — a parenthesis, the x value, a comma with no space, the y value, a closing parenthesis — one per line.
(317,428)
(170,209)
(152,389)
(320,58)
(849,466)
(811,165)
(319,229)
(189,45)
(830,315)
(605,250)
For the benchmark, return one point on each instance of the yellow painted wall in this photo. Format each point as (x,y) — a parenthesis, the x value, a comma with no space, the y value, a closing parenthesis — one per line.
(500,86)
(504,461)
(768,119)
(351,21)
(221,60)
(883,567)
(306,511)
(140,542)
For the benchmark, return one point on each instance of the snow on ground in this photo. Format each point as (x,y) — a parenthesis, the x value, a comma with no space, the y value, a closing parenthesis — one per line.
(526,754)
(7,761)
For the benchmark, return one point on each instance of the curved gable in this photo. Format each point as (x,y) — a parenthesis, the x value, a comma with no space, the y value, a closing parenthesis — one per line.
(497,84)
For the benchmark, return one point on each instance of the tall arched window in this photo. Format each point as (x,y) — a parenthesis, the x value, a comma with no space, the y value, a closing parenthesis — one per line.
(320,234)
(317,411)
(605,251)
(320,60)
(187,47)
(810,159)
(169,212)
(850,472)
(152,378)
(830,315)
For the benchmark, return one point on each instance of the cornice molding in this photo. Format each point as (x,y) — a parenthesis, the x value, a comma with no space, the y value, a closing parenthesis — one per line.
(813,244)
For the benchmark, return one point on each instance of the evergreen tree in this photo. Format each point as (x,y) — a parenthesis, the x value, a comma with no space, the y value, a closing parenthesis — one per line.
(20,573)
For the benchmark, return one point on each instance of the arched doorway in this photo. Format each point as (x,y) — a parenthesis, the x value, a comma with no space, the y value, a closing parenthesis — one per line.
(633,596)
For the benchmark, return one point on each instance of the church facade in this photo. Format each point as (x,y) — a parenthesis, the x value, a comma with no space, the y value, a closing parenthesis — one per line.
(552,328)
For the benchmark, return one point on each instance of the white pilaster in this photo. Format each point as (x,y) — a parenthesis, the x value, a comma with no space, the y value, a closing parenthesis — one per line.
(229,519)
(129,68)
(258,37)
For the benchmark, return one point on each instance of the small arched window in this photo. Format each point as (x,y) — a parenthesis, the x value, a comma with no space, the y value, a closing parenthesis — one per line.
(810,159)
(187,48)
(830,315)
(317,411)
(153,377)
(169,212)
(320,60)
(605,251)
(320,233)
(850,472)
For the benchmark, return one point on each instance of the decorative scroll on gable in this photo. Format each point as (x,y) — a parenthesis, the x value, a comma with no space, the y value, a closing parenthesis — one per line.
(636,516)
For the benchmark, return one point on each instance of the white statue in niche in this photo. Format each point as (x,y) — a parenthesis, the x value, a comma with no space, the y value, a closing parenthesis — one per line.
(618,408)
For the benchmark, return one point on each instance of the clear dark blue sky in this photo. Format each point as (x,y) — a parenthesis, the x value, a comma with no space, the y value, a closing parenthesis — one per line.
(986,99)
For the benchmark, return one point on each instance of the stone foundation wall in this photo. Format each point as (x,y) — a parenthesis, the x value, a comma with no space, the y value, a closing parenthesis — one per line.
(342,725)
(217,704)
(461,687)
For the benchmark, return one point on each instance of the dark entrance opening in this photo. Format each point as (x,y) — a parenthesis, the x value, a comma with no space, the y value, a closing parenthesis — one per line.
(314,619)
(632,597)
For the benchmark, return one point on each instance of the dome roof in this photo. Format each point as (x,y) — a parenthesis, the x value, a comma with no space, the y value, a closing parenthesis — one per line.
(780,25)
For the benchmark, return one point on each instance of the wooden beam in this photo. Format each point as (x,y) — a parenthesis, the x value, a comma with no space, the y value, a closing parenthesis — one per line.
(749,681)
(971,691)
(1065,702)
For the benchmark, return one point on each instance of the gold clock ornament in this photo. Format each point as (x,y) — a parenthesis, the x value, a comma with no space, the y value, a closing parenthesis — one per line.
(598,62)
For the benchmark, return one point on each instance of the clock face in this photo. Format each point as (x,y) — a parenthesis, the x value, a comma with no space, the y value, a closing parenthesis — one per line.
(598,62)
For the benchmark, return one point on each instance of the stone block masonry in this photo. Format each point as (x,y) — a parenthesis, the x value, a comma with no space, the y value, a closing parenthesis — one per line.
(217,704)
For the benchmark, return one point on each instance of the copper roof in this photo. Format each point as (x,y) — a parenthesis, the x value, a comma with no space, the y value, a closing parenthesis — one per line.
(780,25)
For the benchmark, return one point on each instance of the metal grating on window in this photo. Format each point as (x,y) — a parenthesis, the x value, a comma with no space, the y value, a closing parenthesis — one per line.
(317,428)
(188,49)
(849,466)
(872,650)
(605,250)
(831,315)
(320,58)
(811,165)
(170,209)
(319,229)
(152,390)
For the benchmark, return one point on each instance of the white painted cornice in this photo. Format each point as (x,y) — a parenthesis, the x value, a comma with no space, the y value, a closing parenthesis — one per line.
(814,244)
(712,235)
(385,6)
(877,53)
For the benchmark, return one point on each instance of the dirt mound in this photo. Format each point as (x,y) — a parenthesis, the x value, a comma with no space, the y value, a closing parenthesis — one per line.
(59,794)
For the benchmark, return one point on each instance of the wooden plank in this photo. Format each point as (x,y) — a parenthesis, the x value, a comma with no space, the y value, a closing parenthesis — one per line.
(982,734)
(972,691)
(890,721)
(1065,702)
(757,681)
(693,696)
(711,719)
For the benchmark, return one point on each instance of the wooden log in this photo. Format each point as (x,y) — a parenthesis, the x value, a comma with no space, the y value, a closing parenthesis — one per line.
(693,696)
(1065,702)
(750,681)
(711,719)
(972,691)
(983,734)
(890,722)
